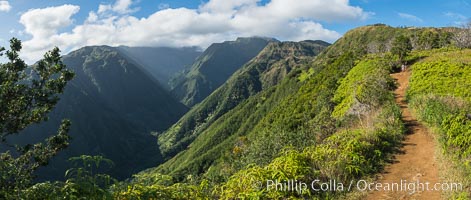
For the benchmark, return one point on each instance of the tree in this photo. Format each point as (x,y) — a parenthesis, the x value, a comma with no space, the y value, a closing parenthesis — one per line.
(401,47)
(428,40)
(83,182)
(27,95)
(462,36)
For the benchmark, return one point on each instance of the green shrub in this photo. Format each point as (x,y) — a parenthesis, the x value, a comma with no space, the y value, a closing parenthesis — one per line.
(443,73)
(366,86)
(457,130)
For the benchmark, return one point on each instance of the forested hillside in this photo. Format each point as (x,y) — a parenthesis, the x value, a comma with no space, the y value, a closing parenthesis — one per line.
(267,69)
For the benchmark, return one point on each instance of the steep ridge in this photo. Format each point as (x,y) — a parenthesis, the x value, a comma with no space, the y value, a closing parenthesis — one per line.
(295,113)
(213,67)
(264,71)
(204,121)
(114,105)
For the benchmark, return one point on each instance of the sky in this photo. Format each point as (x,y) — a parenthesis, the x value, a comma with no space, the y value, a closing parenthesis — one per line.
(71,24)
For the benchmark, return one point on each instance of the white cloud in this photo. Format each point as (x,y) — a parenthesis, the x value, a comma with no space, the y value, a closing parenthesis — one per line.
(5,6)
(104,8)
(410,17)
(44,24)
(214,21)
(225,6)
(92,17)
(120,6)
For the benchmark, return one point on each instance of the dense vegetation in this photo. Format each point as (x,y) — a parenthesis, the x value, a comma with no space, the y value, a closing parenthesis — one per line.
(350,152)
(440,95)
(295,124)
(289,131)
(264,71)
(26,100)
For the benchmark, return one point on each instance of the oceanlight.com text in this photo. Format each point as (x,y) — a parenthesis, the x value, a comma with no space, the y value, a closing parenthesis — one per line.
(359,185)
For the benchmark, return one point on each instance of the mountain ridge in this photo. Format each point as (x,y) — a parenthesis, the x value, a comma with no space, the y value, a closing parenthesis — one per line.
(212,68)
(287,109)
(264,71)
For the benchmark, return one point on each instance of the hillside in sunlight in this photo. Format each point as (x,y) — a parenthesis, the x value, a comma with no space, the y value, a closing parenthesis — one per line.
(332,118)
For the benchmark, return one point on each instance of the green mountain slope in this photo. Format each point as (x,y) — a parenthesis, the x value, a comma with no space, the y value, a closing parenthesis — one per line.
(290,130)
(212,68)
(310,111)
(264,71)
(162,62)
(113,104)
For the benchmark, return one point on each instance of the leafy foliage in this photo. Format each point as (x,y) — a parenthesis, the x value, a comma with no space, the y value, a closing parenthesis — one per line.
(443,73)
(83,182)
(355,93)
(401,47)
(26,99)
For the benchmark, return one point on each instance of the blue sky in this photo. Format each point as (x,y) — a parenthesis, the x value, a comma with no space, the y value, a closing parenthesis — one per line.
(71,24)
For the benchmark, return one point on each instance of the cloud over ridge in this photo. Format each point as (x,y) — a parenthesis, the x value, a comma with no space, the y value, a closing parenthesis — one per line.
(213,21)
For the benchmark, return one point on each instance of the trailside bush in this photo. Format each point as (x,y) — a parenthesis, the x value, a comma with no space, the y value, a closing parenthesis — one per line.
(366,86)
(446,73)
(457,129)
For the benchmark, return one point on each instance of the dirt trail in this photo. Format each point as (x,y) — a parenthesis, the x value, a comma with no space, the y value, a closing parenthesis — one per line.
(416,160)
